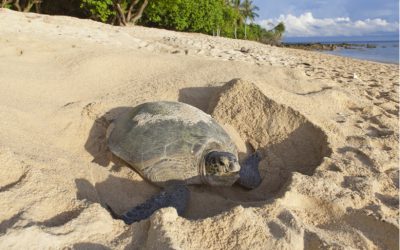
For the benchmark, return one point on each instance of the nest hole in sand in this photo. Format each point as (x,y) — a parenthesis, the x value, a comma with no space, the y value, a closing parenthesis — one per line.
(286,139)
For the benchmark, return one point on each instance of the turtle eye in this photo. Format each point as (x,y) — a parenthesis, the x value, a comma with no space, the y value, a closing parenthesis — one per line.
(223,161)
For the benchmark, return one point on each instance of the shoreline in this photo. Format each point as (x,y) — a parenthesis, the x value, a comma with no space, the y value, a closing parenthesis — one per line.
(364,59)
(360,50)
(328,45)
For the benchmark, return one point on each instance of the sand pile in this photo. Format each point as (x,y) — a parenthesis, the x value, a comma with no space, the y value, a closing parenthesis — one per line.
(327,129)
(288,141)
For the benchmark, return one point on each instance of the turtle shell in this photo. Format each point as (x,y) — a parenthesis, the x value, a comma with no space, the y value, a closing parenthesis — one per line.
(166,141)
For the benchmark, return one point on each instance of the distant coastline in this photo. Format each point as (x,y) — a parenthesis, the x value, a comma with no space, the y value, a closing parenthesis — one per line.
(328,46)
(386,51)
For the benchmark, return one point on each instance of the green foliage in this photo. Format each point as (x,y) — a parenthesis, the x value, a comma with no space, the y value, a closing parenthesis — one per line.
(64,7)
(280,28)
(254,32)
(206,16)
(211,17)
(273,36)
(101,10)
(170,14)
(230,17)
(248,10)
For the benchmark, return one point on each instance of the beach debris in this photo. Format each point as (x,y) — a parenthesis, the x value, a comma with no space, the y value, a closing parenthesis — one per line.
(245,50)
(306,64)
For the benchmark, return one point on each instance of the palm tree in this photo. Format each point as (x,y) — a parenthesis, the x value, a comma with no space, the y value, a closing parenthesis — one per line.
(278,32)
(274,35)
(249,13)
(237,6)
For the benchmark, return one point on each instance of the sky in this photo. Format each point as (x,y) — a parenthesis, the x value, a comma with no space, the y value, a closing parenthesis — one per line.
(331,18)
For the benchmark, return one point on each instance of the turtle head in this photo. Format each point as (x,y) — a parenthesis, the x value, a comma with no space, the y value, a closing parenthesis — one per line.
(220,168)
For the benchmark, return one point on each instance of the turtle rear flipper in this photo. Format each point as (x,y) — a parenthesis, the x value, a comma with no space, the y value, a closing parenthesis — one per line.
(250,177)
(176,196)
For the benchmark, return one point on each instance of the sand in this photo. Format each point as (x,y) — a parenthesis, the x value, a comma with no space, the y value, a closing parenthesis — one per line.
(326,127)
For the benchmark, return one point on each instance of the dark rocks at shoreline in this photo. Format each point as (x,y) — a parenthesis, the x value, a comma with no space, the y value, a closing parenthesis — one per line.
(327,46)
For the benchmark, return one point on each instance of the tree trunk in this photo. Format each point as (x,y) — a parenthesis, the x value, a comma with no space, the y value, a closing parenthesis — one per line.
(245,32)
(130,15)
(37,6)
(17,6)
(120,13)
(29,5)
(5,2)
(130,9)
(114,19)
(235,31)
(139,13)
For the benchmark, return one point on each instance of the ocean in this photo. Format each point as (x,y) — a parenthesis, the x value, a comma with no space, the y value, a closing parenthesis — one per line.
(386,51)
(383,51)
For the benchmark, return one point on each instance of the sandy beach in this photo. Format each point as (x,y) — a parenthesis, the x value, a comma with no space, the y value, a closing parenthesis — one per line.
(326,126)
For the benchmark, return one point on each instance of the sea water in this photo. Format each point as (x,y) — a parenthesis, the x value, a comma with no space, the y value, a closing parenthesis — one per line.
(381,51)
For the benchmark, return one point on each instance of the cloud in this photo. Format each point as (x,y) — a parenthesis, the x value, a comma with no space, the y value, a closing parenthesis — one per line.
(307,25)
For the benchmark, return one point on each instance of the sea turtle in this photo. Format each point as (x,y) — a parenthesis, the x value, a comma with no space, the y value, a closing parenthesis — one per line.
(173,144)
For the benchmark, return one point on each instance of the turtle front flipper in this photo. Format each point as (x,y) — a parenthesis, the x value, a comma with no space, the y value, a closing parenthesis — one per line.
(176,196)
(250,177)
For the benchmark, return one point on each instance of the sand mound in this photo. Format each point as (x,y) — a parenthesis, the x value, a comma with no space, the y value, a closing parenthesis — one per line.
(287,140)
